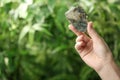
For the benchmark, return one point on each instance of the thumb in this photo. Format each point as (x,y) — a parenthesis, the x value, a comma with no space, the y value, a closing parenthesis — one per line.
(92,33)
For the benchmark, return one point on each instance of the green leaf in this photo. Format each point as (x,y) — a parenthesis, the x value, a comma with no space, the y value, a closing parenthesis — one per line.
(23,33)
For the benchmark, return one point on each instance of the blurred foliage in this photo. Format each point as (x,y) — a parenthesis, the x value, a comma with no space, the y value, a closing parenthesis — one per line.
(36,44)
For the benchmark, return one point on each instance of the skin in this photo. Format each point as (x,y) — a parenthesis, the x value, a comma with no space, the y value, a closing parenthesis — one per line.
(95,53)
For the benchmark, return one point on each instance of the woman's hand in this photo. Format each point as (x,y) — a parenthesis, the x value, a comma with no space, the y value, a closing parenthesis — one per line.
(94,52)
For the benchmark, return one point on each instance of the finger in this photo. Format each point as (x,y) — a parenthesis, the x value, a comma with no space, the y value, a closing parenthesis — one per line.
(79,46)
(92,33)
(78,33)
(86,38)
(83,37)
(79,38)
(72,28)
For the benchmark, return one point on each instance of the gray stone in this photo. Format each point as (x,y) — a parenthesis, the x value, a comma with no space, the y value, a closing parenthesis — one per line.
(77,17)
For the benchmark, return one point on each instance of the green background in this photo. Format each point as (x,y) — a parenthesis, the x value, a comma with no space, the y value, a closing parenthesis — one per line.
(36,44)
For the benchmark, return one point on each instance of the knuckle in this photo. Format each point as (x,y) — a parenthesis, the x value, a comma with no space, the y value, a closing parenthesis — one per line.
(78,45)
(79,38)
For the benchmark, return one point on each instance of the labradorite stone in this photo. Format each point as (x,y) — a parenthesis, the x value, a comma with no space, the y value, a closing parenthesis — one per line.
(77,17)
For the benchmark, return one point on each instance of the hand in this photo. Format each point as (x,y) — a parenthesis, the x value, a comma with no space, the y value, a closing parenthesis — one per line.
(93,50)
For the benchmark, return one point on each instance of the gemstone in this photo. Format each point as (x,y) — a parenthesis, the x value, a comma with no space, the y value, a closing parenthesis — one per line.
(77,17)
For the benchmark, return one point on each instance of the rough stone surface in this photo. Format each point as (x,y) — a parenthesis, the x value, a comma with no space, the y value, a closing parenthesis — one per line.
(77,17)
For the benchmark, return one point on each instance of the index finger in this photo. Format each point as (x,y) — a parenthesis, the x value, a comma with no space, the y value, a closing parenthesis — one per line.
(72,28)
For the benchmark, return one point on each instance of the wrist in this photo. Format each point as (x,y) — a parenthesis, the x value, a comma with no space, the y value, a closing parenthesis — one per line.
(109,71)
